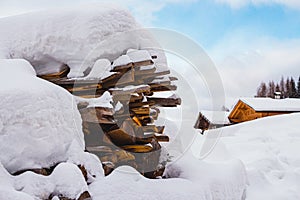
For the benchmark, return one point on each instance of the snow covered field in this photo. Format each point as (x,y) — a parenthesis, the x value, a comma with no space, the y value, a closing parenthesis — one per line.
(269,148)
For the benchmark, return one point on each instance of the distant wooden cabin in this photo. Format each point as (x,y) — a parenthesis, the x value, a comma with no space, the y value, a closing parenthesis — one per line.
(211,120)
(248,109)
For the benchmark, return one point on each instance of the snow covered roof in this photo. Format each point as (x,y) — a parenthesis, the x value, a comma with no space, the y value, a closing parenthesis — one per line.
(269,104)
(216,117)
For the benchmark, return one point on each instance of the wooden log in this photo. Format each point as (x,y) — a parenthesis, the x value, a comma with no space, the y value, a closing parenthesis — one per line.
(97,115)
(153,75)
(93,134)
(108,167)
(163,88)
(92,92)
(144,140)
(172,78)
(120,138)
(145,120)
(150,128)
(145,72)
(137,148)
(57,75)
(121,68)
(165,102)
(130,90)
(112,77)
(124,156)
(122,79)
(141,111)
(140,104)
(159,83)
(160,129)
(81,88)
(112,158)
(137,121)
(162,138)
(65,82)
(143,63)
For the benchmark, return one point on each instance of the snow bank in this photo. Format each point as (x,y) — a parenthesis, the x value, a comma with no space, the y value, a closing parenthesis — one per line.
(192,179)
(76,37)
(38,119)
(7,190)
(66,180)
(269,148)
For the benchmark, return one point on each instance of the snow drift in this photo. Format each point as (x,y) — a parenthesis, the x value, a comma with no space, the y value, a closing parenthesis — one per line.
(66,180)
(269,148)
(38,122)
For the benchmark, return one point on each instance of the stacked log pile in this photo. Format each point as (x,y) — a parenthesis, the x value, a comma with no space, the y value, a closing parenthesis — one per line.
(124,134)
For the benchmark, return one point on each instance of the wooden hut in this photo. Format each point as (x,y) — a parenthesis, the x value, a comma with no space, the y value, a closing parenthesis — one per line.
(211,120)
(247,109)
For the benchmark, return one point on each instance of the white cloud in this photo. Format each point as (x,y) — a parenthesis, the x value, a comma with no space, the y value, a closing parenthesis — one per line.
(294,4)
(243,62)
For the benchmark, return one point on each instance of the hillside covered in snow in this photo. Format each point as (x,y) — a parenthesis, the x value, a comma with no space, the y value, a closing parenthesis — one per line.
(269,148)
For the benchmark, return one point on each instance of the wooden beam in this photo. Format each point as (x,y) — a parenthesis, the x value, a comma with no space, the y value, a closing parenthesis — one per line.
(165,102)
(137,148)
(164,88)
(162,138)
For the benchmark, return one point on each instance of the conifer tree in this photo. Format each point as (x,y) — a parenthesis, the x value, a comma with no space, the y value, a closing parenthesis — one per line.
(298,88)
(287,88)
(293,89)
(262,90)
(282,86)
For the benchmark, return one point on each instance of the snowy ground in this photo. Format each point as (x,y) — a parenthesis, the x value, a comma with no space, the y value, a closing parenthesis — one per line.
(192,179)
(269,148)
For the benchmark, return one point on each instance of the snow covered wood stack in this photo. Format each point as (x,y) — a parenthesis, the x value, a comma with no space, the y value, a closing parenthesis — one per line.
(118,107)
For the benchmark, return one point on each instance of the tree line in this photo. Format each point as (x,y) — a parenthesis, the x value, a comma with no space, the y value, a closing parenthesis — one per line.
(287,87)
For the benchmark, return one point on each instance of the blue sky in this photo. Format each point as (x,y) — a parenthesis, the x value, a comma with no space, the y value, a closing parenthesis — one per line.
(208,22)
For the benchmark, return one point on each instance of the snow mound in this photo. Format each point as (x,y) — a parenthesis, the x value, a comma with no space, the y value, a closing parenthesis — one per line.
(65,180)
(269,149)
(76,37)
(193,179)
(38,119)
